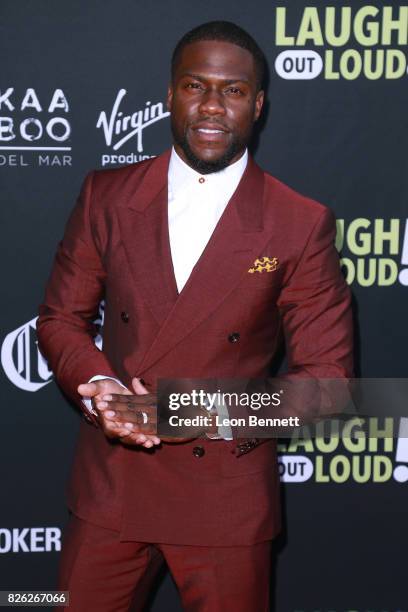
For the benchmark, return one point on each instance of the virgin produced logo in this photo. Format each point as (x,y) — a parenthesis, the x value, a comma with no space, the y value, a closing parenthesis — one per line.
(119,128)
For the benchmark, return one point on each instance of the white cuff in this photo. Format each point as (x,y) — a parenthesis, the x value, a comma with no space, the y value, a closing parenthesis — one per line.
(87,401)
(224,431)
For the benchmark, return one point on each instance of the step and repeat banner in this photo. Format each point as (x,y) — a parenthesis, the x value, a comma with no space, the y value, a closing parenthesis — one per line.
(83,86)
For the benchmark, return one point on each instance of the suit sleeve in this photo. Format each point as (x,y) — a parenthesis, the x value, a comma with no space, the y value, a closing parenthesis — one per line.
(315,309)
(65,327)
(316,319)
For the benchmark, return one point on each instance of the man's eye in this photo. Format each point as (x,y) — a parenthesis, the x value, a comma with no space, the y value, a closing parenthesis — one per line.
(193,85)
(234,90)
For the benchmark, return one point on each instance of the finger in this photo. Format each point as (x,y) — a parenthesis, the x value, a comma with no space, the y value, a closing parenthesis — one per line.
(106,385)
(148,399)
(129,429)
(138,388)
(140,440)
(134,426)
(149,443)
(87,389)
(155,439)
(118,434)
(115,429)
(136,439)
(148,412)
(143,419)
(124,402)
(112,432)
(120,426)
(130,398)
(134,405)
(125,410)
(109,414)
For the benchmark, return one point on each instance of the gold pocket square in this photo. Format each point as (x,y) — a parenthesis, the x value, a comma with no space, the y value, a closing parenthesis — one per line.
(264,264)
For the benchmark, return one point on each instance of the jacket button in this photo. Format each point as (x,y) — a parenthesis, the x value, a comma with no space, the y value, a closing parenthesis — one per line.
(234,337)
(198,451)
(124,316)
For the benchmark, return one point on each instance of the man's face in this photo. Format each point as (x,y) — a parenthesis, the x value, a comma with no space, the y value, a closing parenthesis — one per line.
(214,102)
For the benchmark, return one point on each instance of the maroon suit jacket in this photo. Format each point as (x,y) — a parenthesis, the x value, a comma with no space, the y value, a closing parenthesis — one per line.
(116,246)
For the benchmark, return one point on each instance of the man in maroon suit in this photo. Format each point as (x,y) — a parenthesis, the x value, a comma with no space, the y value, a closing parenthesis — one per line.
(204,260)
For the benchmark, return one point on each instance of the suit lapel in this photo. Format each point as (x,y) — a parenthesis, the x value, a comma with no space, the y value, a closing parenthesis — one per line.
(236,241)
(144,227)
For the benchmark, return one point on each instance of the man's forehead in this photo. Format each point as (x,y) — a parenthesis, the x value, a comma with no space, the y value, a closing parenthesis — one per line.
(216,56)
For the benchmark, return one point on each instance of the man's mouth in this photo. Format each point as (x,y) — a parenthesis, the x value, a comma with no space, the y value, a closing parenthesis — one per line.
(208,131)
(209,134)
(209,128)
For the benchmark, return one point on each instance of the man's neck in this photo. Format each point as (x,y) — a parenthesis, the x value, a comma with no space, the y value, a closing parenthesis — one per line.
(241,160)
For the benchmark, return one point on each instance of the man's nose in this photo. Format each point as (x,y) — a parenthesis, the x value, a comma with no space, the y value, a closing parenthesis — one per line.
(212,103)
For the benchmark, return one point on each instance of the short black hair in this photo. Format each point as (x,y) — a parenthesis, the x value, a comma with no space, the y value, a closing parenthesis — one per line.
(225,31)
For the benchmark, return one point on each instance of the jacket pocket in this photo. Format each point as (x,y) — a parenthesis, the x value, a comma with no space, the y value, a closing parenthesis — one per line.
(262,458)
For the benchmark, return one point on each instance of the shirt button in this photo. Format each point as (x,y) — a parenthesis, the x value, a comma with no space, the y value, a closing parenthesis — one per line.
(201,179)
(198,451)
(234,337)
(124,316)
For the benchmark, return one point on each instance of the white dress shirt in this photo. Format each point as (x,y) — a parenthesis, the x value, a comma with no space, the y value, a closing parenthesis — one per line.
(195,205)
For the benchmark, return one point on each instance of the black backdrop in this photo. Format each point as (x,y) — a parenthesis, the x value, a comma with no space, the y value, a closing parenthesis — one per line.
(71,72)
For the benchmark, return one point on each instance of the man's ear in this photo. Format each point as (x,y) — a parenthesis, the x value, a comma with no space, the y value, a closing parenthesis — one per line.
(259,100)
(169,96)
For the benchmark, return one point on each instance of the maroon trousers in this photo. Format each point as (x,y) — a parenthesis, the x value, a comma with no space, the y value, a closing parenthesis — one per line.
(105,574)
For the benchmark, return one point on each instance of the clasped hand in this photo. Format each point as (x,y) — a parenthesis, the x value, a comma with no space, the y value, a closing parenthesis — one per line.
(130,418)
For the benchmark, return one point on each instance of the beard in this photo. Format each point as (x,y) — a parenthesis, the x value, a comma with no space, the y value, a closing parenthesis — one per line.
(203,166)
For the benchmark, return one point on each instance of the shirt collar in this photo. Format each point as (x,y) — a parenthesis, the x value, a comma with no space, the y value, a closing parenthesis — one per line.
(181,174)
